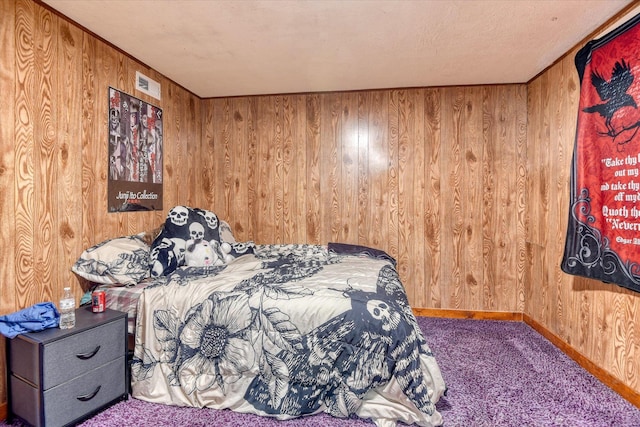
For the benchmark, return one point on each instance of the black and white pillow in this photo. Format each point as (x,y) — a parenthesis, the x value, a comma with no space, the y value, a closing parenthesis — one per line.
(117,262)
(185,224)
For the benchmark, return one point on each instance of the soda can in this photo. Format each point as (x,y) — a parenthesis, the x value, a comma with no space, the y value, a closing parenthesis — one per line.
(98,301)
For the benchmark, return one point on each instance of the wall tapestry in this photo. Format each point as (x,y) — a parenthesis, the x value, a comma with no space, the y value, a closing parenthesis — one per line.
(603,233)
(135,154)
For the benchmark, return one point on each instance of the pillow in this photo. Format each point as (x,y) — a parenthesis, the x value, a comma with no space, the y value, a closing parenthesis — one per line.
(119,261)
(182,223)
(225,232)
(234,248)
(184,228)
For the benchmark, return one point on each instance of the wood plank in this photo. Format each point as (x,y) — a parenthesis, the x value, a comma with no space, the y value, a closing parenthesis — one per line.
(432,207)
(224,156)
(541,193)
(180,123)
(392,176)
(276,187)
(289,177)
(106,70)
(506,286)
(90,198)
(235,212)
(510,172)
(265,220)
(172,155)
(521,186)
(492,200)
(330,167)
(557,187)
(45,166)
(299,194)
(314,183)
(206,159)
(8,284)
(472,160)
(252,175)
(8,53)
(364,174)
(24,167)
(188,111)
(349,154)
(452,221)
(534,103)
(534,207)
(406,180)
(417,261)
(378,235)
(569,104)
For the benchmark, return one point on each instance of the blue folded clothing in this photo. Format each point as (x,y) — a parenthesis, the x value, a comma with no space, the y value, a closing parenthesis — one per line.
(31,319)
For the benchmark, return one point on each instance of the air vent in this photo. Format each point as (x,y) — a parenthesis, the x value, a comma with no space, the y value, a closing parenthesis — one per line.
(145,85)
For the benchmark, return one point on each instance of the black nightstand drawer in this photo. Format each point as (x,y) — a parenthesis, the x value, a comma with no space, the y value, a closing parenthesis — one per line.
(69,401)
(68,357)
(59,376)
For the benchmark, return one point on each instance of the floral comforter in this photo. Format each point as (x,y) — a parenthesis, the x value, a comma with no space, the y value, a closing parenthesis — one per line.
(291,330)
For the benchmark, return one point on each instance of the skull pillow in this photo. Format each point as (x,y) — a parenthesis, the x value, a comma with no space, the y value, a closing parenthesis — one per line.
(182,224)
(178,216)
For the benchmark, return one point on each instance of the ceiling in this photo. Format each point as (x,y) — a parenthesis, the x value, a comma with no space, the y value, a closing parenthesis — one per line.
(218,48)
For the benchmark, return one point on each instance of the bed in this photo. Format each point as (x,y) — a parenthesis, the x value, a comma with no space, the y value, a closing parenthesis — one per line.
(278,330)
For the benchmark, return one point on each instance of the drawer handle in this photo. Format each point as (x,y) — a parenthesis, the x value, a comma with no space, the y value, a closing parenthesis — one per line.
(85,356)
(89,396)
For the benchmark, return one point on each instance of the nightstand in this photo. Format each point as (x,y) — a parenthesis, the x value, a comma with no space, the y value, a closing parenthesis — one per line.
(61,376)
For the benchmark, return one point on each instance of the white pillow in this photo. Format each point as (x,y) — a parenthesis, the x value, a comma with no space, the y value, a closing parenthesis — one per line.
(226,235)
(119,261)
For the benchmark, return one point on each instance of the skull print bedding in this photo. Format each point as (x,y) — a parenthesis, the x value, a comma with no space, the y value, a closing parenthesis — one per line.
(279,330)
(286,331)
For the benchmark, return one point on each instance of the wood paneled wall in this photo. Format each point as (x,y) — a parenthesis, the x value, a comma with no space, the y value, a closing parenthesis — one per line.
(451,181)
(54,81)
(601,321)
(435,177)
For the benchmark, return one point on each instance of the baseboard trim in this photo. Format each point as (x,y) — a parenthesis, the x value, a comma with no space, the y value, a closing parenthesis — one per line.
(603,376)
(468,314)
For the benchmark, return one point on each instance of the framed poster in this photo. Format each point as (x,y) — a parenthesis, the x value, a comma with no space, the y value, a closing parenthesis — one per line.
(135,154)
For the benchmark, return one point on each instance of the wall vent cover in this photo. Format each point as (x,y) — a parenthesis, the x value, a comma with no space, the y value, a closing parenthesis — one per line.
(145,85)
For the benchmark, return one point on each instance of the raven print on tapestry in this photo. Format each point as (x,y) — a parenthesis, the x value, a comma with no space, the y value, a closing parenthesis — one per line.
(603,232)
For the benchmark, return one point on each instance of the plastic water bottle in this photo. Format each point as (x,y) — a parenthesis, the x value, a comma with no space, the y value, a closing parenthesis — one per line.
(67,310)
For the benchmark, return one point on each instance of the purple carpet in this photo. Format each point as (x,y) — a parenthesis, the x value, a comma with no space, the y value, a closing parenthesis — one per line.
(498,373)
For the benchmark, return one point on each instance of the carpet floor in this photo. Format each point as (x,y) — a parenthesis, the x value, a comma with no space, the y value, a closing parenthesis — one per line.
(498,374)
